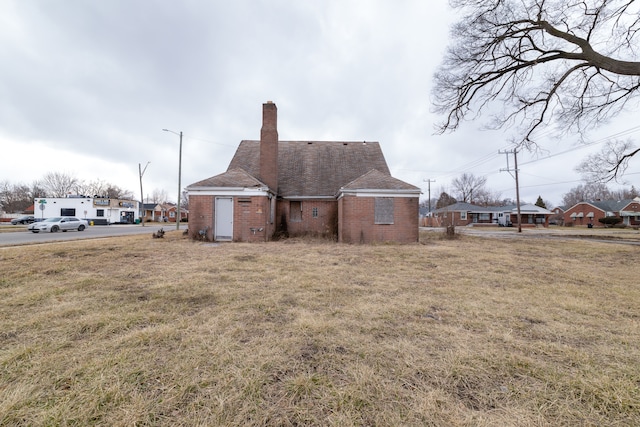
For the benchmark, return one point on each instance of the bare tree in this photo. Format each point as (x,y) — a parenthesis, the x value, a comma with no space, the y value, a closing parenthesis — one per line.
(609,164)
(468,185)
(37,190)
(58,184)
(159,196)
(541,62)
(184,201)
(15,197)
(103,189)
(586,192)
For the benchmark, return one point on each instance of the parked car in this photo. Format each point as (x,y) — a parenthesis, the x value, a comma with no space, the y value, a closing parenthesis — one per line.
(59,223)
(23,220)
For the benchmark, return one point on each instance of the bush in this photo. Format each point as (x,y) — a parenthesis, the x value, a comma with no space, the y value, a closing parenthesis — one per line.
(610,221)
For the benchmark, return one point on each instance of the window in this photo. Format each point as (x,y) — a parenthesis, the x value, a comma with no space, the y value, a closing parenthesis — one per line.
(295,211)
(463,216)
(484,217)
(314,212)
(383,210)
(67,212)
(100,212)
(172,214)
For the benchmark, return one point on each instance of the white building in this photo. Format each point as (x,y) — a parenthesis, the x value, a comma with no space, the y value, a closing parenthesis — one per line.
(100,210)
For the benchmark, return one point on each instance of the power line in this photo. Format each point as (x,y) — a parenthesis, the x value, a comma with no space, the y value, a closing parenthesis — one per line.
(589,144)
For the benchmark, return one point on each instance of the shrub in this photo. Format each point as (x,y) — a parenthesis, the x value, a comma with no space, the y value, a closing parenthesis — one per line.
(610,220)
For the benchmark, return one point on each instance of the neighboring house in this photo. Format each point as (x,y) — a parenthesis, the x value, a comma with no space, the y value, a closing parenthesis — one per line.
(588,213)
(336,189)
(151,212)
(558,215)
(163,212)
(462,214)
(172,212)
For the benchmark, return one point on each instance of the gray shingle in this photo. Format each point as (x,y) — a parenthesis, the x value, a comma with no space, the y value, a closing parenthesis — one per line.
(314,168)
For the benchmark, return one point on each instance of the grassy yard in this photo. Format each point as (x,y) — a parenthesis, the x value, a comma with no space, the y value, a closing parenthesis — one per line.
(466,332)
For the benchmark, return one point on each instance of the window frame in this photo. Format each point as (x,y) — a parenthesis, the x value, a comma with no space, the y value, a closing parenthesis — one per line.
(384,211)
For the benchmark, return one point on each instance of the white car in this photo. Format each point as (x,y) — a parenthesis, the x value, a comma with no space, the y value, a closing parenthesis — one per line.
(58,223)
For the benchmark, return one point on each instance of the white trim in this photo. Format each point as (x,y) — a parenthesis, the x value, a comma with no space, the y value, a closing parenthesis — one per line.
(229,192)
(380,193)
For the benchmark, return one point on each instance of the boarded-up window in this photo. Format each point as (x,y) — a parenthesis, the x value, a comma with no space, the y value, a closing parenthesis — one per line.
(384,210)
(295,211)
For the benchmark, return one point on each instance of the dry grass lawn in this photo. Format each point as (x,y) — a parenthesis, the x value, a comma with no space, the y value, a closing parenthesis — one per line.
(467,332)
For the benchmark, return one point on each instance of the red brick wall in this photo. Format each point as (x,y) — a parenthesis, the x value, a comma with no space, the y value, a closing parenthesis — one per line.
(201,215)
(269,146)
(453,218)
(249,215)
(357,221)
(584,221)
(325,224)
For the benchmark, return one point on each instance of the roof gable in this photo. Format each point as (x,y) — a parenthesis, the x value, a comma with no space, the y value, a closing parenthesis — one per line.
(231,178)
(376,180)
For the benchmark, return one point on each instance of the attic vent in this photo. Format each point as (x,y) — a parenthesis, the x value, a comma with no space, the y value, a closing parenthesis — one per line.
(344,143)
(309,143)
(244,200)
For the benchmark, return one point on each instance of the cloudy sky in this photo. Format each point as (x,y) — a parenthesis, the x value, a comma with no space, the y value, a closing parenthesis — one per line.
(88,86)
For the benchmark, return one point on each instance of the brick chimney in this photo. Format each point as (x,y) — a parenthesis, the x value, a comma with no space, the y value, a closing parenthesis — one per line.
(269,146)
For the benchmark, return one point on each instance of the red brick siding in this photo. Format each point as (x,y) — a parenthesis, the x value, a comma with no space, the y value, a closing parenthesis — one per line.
(324,225)
(269,146)
(584,221)
(357,221)
(453,218)
(201,215)
(251,213)
(248,212)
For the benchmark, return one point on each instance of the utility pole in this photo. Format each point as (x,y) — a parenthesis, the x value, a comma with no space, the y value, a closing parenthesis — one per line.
(429,181)
(141,172)
(515,170)
(179,215)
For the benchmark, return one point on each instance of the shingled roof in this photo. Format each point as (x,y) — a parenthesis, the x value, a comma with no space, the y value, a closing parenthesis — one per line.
(376,180)
(231,178)
(314,168)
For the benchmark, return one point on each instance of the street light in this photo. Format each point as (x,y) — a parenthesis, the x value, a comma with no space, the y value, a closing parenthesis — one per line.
(179,177)
(141,171)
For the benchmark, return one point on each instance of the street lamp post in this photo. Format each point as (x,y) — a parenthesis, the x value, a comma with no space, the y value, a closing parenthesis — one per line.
(178,218)
(142,171)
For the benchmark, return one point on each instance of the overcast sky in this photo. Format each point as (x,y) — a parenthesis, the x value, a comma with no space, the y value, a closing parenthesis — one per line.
(86,88)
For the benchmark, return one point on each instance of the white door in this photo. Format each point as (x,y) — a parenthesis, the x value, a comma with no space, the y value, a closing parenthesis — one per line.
(224,218)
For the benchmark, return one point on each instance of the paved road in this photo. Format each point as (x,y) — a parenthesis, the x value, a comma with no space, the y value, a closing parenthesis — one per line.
(26,237)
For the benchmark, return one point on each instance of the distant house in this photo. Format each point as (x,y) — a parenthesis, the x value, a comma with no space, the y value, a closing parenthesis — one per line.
(338,189)
(558,215)
(589,212)
(151,212)
(171,213)
(463,214)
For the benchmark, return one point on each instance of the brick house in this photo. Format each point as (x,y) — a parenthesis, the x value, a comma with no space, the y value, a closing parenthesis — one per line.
(171,213)
(463,214)
(588,213)
(342,190)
